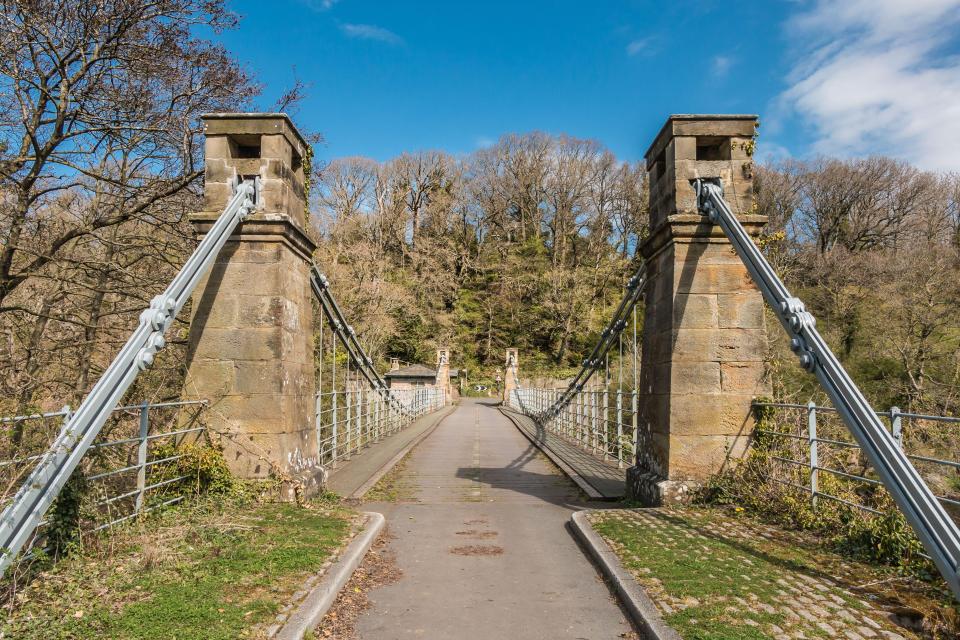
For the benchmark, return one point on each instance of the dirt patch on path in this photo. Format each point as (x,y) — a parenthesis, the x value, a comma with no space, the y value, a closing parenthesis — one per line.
(477,550)
(379,568)
(481,535)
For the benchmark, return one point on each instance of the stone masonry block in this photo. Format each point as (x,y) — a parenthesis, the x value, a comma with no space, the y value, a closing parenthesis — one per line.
(696,345)
(252,252)
(741,345)
(695,311)
(261,280)
(218,171)
(710,414)
(210,378)
(216,195)
(704,252)
(696,378)
(684,147)
(216,148)
(256,377)
(698,457)
(261,311)
(220,314)
(743,378)
(742,310)
(276,147)
(231,344)
(693,277)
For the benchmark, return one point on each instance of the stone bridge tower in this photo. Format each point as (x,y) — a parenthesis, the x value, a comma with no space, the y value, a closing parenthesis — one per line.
(443,372)
(703,333)
(251,329)
(511,373)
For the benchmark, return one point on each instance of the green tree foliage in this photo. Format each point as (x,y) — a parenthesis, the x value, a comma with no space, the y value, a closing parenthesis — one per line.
(525,244)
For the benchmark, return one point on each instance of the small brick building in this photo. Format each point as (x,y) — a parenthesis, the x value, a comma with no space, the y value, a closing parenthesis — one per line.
(415,376)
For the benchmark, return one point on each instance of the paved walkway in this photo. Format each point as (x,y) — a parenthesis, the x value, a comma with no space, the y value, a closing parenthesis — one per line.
(354,475)
(606,481)
(481,540)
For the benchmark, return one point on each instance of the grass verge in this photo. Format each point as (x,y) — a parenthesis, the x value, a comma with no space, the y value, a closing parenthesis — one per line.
(718,575)
(213,569)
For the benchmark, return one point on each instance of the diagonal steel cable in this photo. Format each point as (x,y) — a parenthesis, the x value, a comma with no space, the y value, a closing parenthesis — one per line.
(934,527)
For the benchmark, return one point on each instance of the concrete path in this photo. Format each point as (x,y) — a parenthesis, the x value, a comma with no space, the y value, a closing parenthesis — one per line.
(605,480)
(352,475)
(480,537)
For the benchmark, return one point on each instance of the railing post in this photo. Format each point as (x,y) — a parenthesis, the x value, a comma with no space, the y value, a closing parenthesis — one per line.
(334,429)
(593,421)
(896,426)
(814,457)
(605,417)
(142,455)
(348,422)
(620,428)
(318,423)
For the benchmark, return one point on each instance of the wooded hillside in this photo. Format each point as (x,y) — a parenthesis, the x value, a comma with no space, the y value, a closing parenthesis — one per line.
(526,243)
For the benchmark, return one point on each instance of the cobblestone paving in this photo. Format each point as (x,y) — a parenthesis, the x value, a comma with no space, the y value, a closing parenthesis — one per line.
(715,577)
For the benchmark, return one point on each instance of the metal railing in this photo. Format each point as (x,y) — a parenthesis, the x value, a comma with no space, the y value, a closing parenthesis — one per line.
(125,475)
(354,407)
(600,421)
(585,414)
(349,421)
(35,495)
(939,534)
(821,452)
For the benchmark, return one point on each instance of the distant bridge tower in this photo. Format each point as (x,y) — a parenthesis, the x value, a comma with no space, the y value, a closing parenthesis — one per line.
(251,330)
(511,373)
(443,372)
(703,333)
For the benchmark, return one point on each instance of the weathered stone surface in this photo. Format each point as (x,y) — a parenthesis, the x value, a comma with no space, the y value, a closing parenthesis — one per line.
(743,378)
(703,341)
(695,311)
(741,310)
(251,350)
(710,414)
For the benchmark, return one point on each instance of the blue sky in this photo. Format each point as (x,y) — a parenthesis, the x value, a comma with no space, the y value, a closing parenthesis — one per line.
(840,77)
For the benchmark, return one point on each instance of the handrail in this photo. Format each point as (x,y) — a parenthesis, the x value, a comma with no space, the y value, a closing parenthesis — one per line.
(608,338)
(938,533)
(348,337)
(21,517)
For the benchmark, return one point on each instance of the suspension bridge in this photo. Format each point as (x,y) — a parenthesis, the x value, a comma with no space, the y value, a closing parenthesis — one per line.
(292,396)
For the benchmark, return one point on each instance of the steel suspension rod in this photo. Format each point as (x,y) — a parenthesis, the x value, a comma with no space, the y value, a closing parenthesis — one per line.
(934,527)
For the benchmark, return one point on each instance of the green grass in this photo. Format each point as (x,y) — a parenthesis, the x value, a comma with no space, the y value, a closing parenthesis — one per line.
(722,580)
(208,572)
(392,487)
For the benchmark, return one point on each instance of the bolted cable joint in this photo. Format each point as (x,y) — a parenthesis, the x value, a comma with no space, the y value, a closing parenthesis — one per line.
(808,359)
(704,188)
(797,315)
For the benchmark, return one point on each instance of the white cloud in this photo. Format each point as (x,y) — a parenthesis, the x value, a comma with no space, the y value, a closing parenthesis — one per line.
(721,65)
(320,5)
(641,45)
(371,32)
(872,76)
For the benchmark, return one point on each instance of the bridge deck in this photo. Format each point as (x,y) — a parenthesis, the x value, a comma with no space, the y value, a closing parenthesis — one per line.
(479,535)
(352,478)
(599,479)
